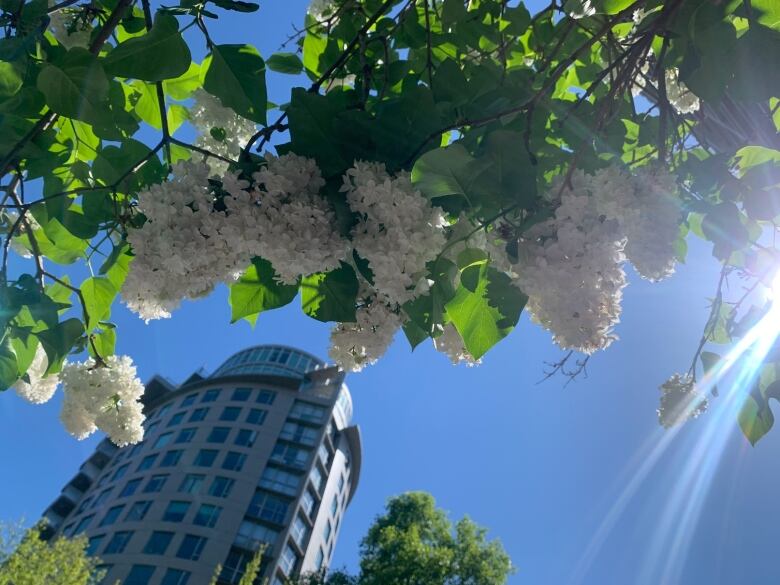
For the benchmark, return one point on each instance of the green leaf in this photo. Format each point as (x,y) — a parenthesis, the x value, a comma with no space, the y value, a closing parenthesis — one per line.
(258,290)
(314,46)
(485,315)
(105,341)
(236,75)
(116,266)
(9,369)
(288,63)
(755,418)
(59,340)
(159,54)
(237,5)
(444,171)
(181,88)
(709,361)
(330,296)
(113,163)
(75,86)
(511,168)
(99,294)
(10,79)
(24,347)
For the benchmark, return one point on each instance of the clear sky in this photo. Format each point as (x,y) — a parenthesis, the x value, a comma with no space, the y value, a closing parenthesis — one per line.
(579,482)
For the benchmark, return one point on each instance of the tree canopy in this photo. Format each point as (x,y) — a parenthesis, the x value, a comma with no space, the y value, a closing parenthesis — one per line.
(450,164)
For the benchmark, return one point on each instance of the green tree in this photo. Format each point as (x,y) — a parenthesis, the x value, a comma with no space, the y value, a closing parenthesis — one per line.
(26,559)
(414,543)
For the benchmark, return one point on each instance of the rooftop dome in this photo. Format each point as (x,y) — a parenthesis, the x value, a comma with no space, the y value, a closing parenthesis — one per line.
(277,360)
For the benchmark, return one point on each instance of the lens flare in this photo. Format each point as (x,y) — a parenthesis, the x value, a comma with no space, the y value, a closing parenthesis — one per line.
(735,374)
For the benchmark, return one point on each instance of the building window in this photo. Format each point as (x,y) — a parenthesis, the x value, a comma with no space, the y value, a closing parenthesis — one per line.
(255,416)
(210,395)
(192,483)
(334,506)
(163,440)
(218,434)
(341,482)
(207,515)
(324,456)
(246,438)
(84,504)
(189,400)
(171,458)
(230,413)
(287,560)
(234,461)
(163,411)
(191,547)
(308,412)
(251,535)
(268,507)
(186,435)
(101,498)
(130,488)
(241,394)
(290,455)
(82,525)
(118,543)
(120,472)
(175,577)
(111,515)
(158,543)
(326,531)
(279,480)
(220,487)
(134,451)
(235,566)
(308,502)
(199,414)
(155,484)
(316,479)
(139,575)
(298,433)
(320,559)
(147,462)
(176,419)
(102,481)
(137,511)
(205,458)
(176,511)
(151,428)
(94,543)
(266,397)
(298,531)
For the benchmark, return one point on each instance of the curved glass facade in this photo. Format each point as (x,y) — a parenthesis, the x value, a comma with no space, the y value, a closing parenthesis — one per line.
(276,360)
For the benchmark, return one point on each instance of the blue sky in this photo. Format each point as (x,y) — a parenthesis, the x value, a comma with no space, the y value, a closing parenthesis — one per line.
(561,475)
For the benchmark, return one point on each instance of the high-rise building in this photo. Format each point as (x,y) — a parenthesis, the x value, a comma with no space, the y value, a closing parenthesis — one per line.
(260,453)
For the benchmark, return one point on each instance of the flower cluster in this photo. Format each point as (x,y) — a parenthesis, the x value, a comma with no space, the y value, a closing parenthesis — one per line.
(103,397)
(38,387)
(321,9)
(220,129)
(192,240)
(680,401)
(450,344)
(570,268)
(571,265)
(182,250)
(398,231)
(354,346)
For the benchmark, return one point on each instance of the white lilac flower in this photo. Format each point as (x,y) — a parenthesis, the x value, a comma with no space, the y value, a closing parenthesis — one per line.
(398,231)
(321,9)
(450,344)
(354,346)
(179,252)
(103,397)
(40,387)
(296,230)
(570,268)
(230,133)
(18,239)
(680,401)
